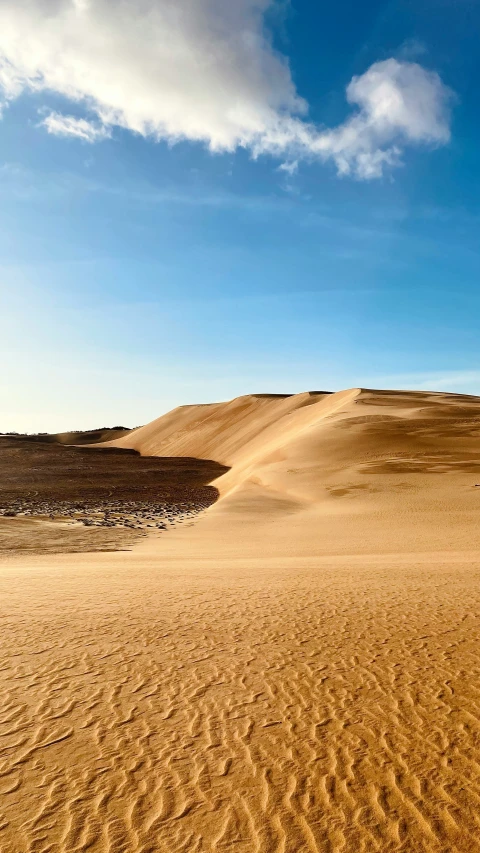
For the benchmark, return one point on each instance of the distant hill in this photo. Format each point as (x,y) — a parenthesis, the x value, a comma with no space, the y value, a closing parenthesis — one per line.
(90,436)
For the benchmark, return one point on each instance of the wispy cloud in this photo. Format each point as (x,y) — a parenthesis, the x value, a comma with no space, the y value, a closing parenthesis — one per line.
(289,167)
(79,128)
(207,72)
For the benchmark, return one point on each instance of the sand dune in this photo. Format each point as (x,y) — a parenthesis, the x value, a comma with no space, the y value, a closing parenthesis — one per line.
(359,456)
(215,431)
(297,673)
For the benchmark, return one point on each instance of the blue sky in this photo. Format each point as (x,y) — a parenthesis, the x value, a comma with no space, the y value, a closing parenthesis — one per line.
(160,247)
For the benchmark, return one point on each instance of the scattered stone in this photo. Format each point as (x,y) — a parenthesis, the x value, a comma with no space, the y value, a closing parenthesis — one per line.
(134,515)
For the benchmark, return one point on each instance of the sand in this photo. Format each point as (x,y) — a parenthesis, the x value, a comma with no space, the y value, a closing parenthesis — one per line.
(296,672)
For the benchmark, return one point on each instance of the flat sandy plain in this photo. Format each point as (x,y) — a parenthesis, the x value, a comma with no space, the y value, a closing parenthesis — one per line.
(298,671)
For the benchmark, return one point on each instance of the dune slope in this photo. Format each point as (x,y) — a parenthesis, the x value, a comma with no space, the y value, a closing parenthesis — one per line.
(215,431)
(366,435)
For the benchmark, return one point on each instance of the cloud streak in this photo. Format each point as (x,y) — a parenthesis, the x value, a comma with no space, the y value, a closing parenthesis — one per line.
(207,72)
(79,128)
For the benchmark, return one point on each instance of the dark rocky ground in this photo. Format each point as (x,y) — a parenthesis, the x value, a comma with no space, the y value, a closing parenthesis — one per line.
(99,487)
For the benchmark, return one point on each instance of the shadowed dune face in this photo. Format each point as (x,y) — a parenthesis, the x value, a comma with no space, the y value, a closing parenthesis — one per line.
(34,470)
(114,492)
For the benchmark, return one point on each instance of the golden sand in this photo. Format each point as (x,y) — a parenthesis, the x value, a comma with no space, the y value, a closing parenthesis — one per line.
(299,671)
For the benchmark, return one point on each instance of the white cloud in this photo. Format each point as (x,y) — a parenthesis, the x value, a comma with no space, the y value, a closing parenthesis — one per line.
(206,71)
(398,102)
(290,167)
(61,125)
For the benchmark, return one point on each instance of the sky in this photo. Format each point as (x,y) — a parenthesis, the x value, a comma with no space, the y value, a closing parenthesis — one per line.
(202,199)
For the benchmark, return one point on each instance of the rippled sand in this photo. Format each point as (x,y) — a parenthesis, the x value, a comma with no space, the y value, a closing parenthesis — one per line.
(255,706)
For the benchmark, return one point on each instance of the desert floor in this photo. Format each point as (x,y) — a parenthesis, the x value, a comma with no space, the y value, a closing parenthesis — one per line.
(298,671)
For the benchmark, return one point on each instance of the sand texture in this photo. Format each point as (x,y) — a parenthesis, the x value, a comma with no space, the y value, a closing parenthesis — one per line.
(296,673)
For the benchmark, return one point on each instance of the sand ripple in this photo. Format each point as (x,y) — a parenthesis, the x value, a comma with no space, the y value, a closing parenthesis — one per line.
(320,708)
